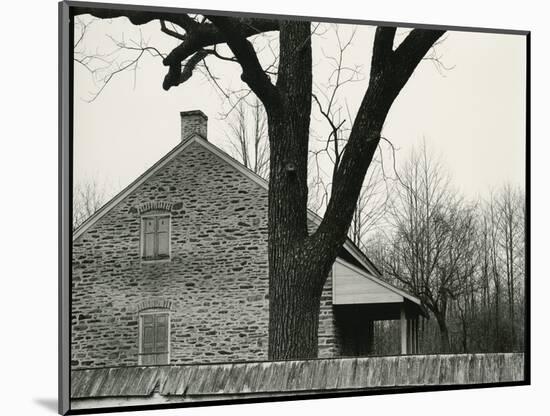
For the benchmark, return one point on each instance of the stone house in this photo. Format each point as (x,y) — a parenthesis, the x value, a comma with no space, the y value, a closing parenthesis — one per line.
(174,270)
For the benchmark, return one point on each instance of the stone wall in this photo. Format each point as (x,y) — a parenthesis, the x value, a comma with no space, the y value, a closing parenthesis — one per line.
(329,336)
(215,284)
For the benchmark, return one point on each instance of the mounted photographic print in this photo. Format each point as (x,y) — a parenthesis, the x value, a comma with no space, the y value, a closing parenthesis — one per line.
(261,207)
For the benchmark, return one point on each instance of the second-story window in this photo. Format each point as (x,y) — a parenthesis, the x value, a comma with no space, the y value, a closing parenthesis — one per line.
(155,236)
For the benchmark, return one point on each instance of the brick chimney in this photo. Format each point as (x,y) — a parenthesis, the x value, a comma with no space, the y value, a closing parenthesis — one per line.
(192,122)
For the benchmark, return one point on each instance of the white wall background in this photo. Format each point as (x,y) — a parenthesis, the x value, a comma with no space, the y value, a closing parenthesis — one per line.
(28,208)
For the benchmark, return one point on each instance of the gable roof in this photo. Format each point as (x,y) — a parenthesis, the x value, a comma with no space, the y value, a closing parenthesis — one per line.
(349,246)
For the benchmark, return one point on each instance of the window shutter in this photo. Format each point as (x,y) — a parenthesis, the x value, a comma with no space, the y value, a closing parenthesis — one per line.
(148,334)
(149,237)
(154,343)
(162,235)
(161,334)
(161,339)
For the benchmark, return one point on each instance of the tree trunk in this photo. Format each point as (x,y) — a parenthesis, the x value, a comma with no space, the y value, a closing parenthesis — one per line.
(296,275)
(464,336)
(299,263)
(297,267)
(445,344)
(294,303)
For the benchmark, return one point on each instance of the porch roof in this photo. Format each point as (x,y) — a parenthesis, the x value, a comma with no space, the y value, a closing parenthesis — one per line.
(356,288)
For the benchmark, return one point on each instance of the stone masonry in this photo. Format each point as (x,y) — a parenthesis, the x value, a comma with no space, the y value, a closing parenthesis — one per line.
(215,284)
(194,121)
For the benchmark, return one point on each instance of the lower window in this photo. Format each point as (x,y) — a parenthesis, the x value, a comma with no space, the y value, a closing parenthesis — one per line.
(154,339)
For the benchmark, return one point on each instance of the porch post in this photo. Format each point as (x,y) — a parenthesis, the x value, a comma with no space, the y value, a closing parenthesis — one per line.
(414,336)
(416,346)
(409,338)
(404,337)
(370,339)
(410,329)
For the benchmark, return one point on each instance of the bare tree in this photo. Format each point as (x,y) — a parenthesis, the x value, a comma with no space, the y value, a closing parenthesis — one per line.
(511,229)
(299,263)
(88,197)
(504,218)
(433,246)
(372,206)
(331,105)
(327,98)
(493,305)
(480,306)
(248,137)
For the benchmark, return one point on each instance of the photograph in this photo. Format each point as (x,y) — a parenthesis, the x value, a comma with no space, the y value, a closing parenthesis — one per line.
(267,207)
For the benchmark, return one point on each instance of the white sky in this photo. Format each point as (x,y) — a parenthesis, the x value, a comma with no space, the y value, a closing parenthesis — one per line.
(472,116)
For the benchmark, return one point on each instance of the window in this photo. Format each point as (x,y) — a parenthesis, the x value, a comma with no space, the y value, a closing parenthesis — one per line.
(155,236)
(154,338)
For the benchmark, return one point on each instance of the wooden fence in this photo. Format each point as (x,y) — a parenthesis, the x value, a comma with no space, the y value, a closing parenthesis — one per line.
(154,384)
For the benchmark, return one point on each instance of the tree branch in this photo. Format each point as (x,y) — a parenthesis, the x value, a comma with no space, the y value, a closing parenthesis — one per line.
(202,35)
(191,64)
(253,74)
(390,70)
(136,17)
(382,49)
(198,35)
(411,51)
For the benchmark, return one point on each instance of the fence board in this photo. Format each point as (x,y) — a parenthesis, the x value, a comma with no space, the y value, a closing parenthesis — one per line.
(297,376)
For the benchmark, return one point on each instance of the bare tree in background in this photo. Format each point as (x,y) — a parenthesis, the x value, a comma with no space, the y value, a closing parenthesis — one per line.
(490,312)
(248,137)
(433,247)
(372,206)
(88,197)
(511,210)
(504,266)
(332,107)
(465,260)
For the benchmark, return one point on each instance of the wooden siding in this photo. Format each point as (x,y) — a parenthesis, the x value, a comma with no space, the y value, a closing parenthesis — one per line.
(351,286)
(211,380)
